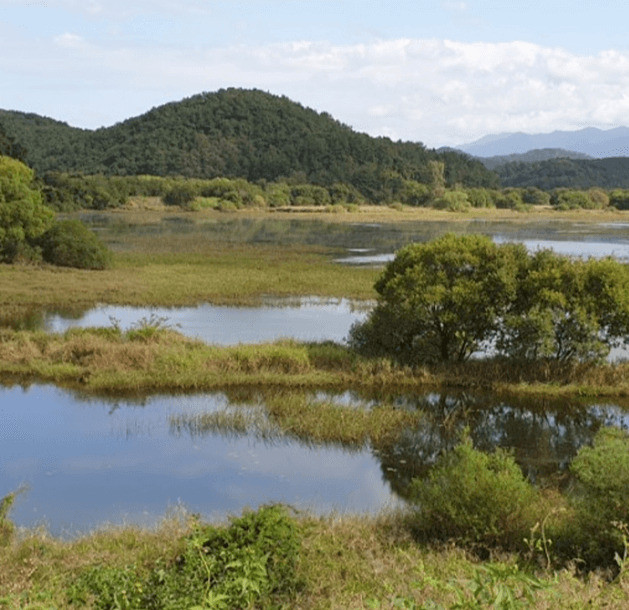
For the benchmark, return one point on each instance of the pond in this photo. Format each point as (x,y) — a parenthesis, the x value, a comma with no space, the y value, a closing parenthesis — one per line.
(89,461)
(307,319)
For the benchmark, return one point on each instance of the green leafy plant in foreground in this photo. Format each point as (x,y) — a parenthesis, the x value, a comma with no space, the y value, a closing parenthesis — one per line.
(493,586)
(220,568)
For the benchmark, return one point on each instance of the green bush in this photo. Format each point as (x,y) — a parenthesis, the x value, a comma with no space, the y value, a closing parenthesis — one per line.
(181,194)
(475,498)
(242,566)
(600,498)
(452,201)
(69,243)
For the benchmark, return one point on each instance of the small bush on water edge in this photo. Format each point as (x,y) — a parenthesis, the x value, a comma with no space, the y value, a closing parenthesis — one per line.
(475,498)
(600,499)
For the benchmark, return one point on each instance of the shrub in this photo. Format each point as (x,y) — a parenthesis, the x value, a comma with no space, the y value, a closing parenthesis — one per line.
(476,498)
(600,498)
(453,201)
(235,567)
(69,243)
(181,194)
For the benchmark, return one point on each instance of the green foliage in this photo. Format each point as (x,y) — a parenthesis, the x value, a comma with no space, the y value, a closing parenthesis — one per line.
(619,199)
(440,301)
(567,309)
(476,498)
(237,133)
(453,201)
(69,243)
(446,299)
(248,564)
(600,499)
(480,198)
(23,216)
(564,199)
(181,194)
(550,174)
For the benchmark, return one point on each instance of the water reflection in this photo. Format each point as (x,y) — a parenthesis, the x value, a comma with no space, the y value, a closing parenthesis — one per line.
(309,319)
(93,460)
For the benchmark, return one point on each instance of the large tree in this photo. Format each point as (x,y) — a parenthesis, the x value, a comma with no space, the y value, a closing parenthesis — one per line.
(442,300)
(567,309)
(23,216)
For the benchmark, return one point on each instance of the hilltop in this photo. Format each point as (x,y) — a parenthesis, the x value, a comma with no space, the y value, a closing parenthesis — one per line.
(234,133)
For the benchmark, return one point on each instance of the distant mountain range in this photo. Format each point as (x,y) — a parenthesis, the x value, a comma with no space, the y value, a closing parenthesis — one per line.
(596,143)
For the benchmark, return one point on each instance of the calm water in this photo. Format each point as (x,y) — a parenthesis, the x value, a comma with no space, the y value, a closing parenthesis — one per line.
(306,320)
(89,461)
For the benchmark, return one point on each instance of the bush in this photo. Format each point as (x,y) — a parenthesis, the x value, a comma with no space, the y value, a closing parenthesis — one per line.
(600,498)
(236,567)
(181,194)
(475,498)
(69,243)
(452,201)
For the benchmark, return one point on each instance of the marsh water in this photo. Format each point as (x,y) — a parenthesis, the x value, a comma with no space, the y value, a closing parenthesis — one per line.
(87,461)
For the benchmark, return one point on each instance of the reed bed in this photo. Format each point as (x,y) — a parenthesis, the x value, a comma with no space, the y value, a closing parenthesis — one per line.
(157,359)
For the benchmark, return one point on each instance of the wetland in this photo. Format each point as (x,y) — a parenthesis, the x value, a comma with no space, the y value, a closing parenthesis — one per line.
(301,336)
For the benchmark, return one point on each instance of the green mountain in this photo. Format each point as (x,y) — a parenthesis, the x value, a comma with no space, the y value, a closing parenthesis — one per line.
(235,133)
(612,172)
(532,156)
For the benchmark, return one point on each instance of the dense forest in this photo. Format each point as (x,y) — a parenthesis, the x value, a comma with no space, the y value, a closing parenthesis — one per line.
(236,133)
(609,173)
(532,156)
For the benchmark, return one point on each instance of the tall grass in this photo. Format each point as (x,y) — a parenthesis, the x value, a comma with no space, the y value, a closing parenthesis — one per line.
(350,561)
(160,359)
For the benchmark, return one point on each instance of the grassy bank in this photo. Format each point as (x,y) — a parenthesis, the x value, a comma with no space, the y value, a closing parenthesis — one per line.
(353,562)
(152,359)
(179,271)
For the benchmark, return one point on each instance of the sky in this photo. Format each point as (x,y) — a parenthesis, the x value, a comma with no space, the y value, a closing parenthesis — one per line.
(444,72)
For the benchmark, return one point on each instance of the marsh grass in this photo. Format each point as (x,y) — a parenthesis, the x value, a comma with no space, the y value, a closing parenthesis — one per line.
(356,562)
(183,271)
(294,415)
(155,358)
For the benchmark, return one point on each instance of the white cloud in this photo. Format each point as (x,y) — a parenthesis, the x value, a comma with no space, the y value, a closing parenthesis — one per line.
(436,91)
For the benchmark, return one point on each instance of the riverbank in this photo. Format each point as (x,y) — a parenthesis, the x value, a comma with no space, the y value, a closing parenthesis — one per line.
(332,562)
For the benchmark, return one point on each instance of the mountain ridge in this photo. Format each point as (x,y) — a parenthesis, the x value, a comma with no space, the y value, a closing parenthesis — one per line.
(592,141)
(235,133)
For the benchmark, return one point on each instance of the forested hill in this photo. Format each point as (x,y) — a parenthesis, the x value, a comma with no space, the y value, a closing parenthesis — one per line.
(234,133)
(612,172)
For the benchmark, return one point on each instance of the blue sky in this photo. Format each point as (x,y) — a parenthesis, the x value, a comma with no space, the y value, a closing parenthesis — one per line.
(444,72)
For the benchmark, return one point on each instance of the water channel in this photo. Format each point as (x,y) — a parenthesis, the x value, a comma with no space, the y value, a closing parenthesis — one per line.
(88,461)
